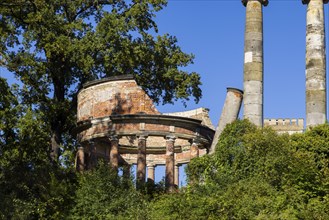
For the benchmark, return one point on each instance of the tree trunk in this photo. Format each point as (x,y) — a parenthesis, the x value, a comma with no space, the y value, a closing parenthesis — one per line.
(59,117)
(55,143)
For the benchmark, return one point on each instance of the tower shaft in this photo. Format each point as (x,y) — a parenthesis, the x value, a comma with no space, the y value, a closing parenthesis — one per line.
(316,95)
(253,62)
(229,114)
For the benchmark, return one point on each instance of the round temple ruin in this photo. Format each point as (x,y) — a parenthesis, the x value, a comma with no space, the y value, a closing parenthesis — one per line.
(118,122)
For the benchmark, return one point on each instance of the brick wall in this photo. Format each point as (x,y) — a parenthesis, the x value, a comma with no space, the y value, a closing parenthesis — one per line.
(113,97)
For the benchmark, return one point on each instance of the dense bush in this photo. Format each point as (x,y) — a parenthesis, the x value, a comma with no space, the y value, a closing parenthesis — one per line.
(256,174)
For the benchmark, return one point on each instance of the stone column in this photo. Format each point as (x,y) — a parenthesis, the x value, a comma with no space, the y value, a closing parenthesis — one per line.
(194,151)
(114,152)
(126,175)
(126,171)
(93,156)
(150,173)
(141,162)
(170,164)
(229,114)
(176,182)
(316,95)
(253,61)
(80,159)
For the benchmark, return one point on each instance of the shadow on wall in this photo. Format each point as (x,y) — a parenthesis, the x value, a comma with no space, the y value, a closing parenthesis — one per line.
(121,105)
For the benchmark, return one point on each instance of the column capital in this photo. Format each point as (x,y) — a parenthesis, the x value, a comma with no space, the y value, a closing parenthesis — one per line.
(263,2)
(91,142)
(170,138)
(195,141)
(79,146)
(113,137)
(151,166)
(142,136)
(305,2)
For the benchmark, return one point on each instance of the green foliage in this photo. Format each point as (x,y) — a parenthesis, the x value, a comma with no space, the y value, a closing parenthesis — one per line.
(230,149)
(29,187)
(102,194)
(256,174)
(185,205)
(9,113)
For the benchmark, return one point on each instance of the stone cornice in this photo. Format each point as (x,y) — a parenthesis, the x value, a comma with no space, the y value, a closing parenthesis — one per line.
(263,2)
(171,138)
(103,136)
(157,118)
(234,90)
(108,79)
(140,118)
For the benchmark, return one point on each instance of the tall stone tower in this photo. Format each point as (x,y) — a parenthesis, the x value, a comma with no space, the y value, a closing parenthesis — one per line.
(229,114)
(316,95)
(253,61)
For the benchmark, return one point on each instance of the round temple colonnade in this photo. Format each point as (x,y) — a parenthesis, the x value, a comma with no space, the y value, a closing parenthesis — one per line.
(118,122)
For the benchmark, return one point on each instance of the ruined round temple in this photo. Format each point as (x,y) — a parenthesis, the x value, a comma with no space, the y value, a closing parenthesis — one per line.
(118,122)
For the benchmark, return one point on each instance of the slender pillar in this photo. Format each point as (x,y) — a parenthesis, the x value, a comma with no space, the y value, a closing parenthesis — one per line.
(194,151)
(253,61)
(170,164)
(126,171)
(93,156)
(80,159)
(141,161)
(229,114)
(176,182)
(316,95)
(114,152)
(150,173)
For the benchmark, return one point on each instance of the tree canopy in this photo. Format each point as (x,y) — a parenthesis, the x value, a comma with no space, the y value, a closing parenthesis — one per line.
(53,47)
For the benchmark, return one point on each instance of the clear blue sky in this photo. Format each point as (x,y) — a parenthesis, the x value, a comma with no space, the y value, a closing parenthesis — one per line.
(214,32)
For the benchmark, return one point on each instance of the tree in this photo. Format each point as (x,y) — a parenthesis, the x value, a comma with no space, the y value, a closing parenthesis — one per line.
(29,187)
(9,113)
(55,46)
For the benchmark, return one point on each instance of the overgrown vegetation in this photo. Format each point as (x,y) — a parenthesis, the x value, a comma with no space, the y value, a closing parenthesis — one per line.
(258,174)
(254,174)
(53,47)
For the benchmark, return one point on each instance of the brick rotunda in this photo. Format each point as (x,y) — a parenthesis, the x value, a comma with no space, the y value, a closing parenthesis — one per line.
(117,121)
